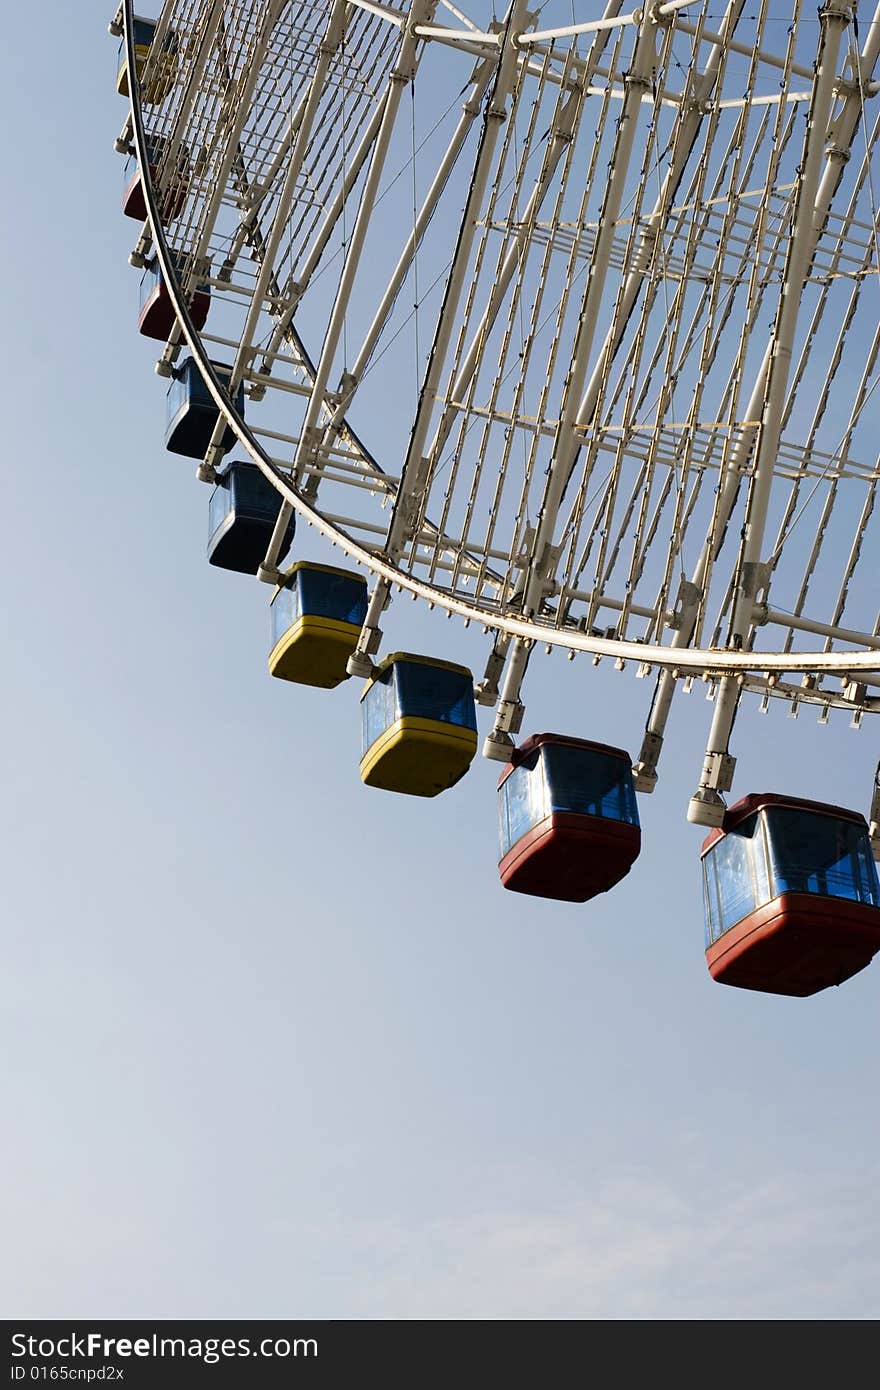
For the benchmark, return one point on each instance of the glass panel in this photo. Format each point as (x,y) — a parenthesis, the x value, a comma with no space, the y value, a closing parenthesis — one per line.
(815,853)
(711,912)
(522,801)
(732,862)
(143,31)
(433,692)
(761,863)
(341,596)
(284,611)
(590,783)
(219,507)
(175,396)
(253,493)
(377,711)
(149,280)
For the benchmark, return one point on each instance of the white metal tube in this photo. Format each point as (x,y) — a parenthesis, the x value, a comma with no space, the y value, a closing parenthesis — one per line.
(327,49)
(707,806)
(382,11)
(637,80)
(325,231)
(845,128)
(398,78)
(470,112)
(591,26)
(496,113)
(513,257)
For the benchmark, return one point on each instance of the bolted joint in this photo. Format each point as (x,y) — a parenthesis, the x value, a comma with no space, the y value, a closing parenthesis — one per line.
(510,716)
(311,440)
(755,578)
(645,767)
(718,771)
(347,383)
(644,779)
(270,574)
(486,690)
(213,456)
(706,808)
(498,747)
(837,154)
(359,664)
(837,11)
(686,601)
(335,33)
(206,473)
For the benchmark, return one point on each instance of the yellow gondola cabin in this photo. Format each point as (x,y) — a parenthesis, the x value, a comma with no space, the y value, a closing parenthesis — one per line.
(160,77)
(418,725)
(317,617)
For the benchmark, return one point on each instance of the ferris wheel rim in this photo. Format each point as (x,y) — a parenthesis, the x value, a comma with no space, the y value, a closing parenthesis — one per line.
(687,661)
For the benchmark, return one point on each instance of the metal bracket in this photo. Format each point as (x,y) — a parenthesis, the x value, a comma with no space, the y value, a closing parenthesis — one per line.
(498,747)
(874,825)
(645,767)
(486,690)
(718,771)
(686,599)
(755,578)
(510,717)
(270,574)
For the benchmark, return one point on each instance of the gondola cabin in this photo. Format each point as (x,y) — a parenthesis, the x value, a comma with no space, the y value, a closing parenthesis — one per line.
(242,512)
(317,616)
(170,185)
(191,414)
(568,818)
(157,314)
(791,896)
(160,77)
(418,725)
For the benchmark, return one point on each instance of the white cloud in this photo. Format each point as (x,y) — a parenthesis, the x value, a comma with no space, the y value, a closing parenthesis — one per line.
(781,1248)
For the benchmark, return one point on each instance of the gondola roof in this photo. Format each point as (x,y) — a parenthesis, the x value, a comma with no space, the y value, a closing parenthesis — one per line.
(528,746)
(748,805)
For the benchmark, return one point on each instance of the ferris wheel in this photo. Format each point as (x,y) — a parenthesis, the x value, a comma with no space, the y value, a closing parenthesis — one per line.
(565,320)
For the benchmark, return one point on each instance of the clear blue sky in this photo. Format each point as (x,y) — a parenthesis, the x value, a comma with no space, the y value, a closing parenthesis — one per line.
(278,1045)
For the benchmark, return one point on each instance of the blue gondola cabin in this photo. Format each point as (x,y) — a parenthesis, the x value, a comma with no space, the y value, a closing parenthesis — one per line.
(791,896)
(569,821)
(155,73)
(242,512)
(190,412)
(157,315)
(316,616)
(171,186)
(418,725)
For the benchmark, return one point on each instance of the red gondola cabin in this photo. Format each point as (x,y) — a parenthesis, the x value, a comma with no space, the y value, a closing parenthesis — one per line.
(569,822)
(157,316)
(791,895)
(171,184)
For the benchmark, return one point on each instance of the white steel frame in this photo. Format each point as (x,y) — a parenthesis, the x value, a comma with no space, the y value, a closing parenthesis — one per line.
(595,467)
